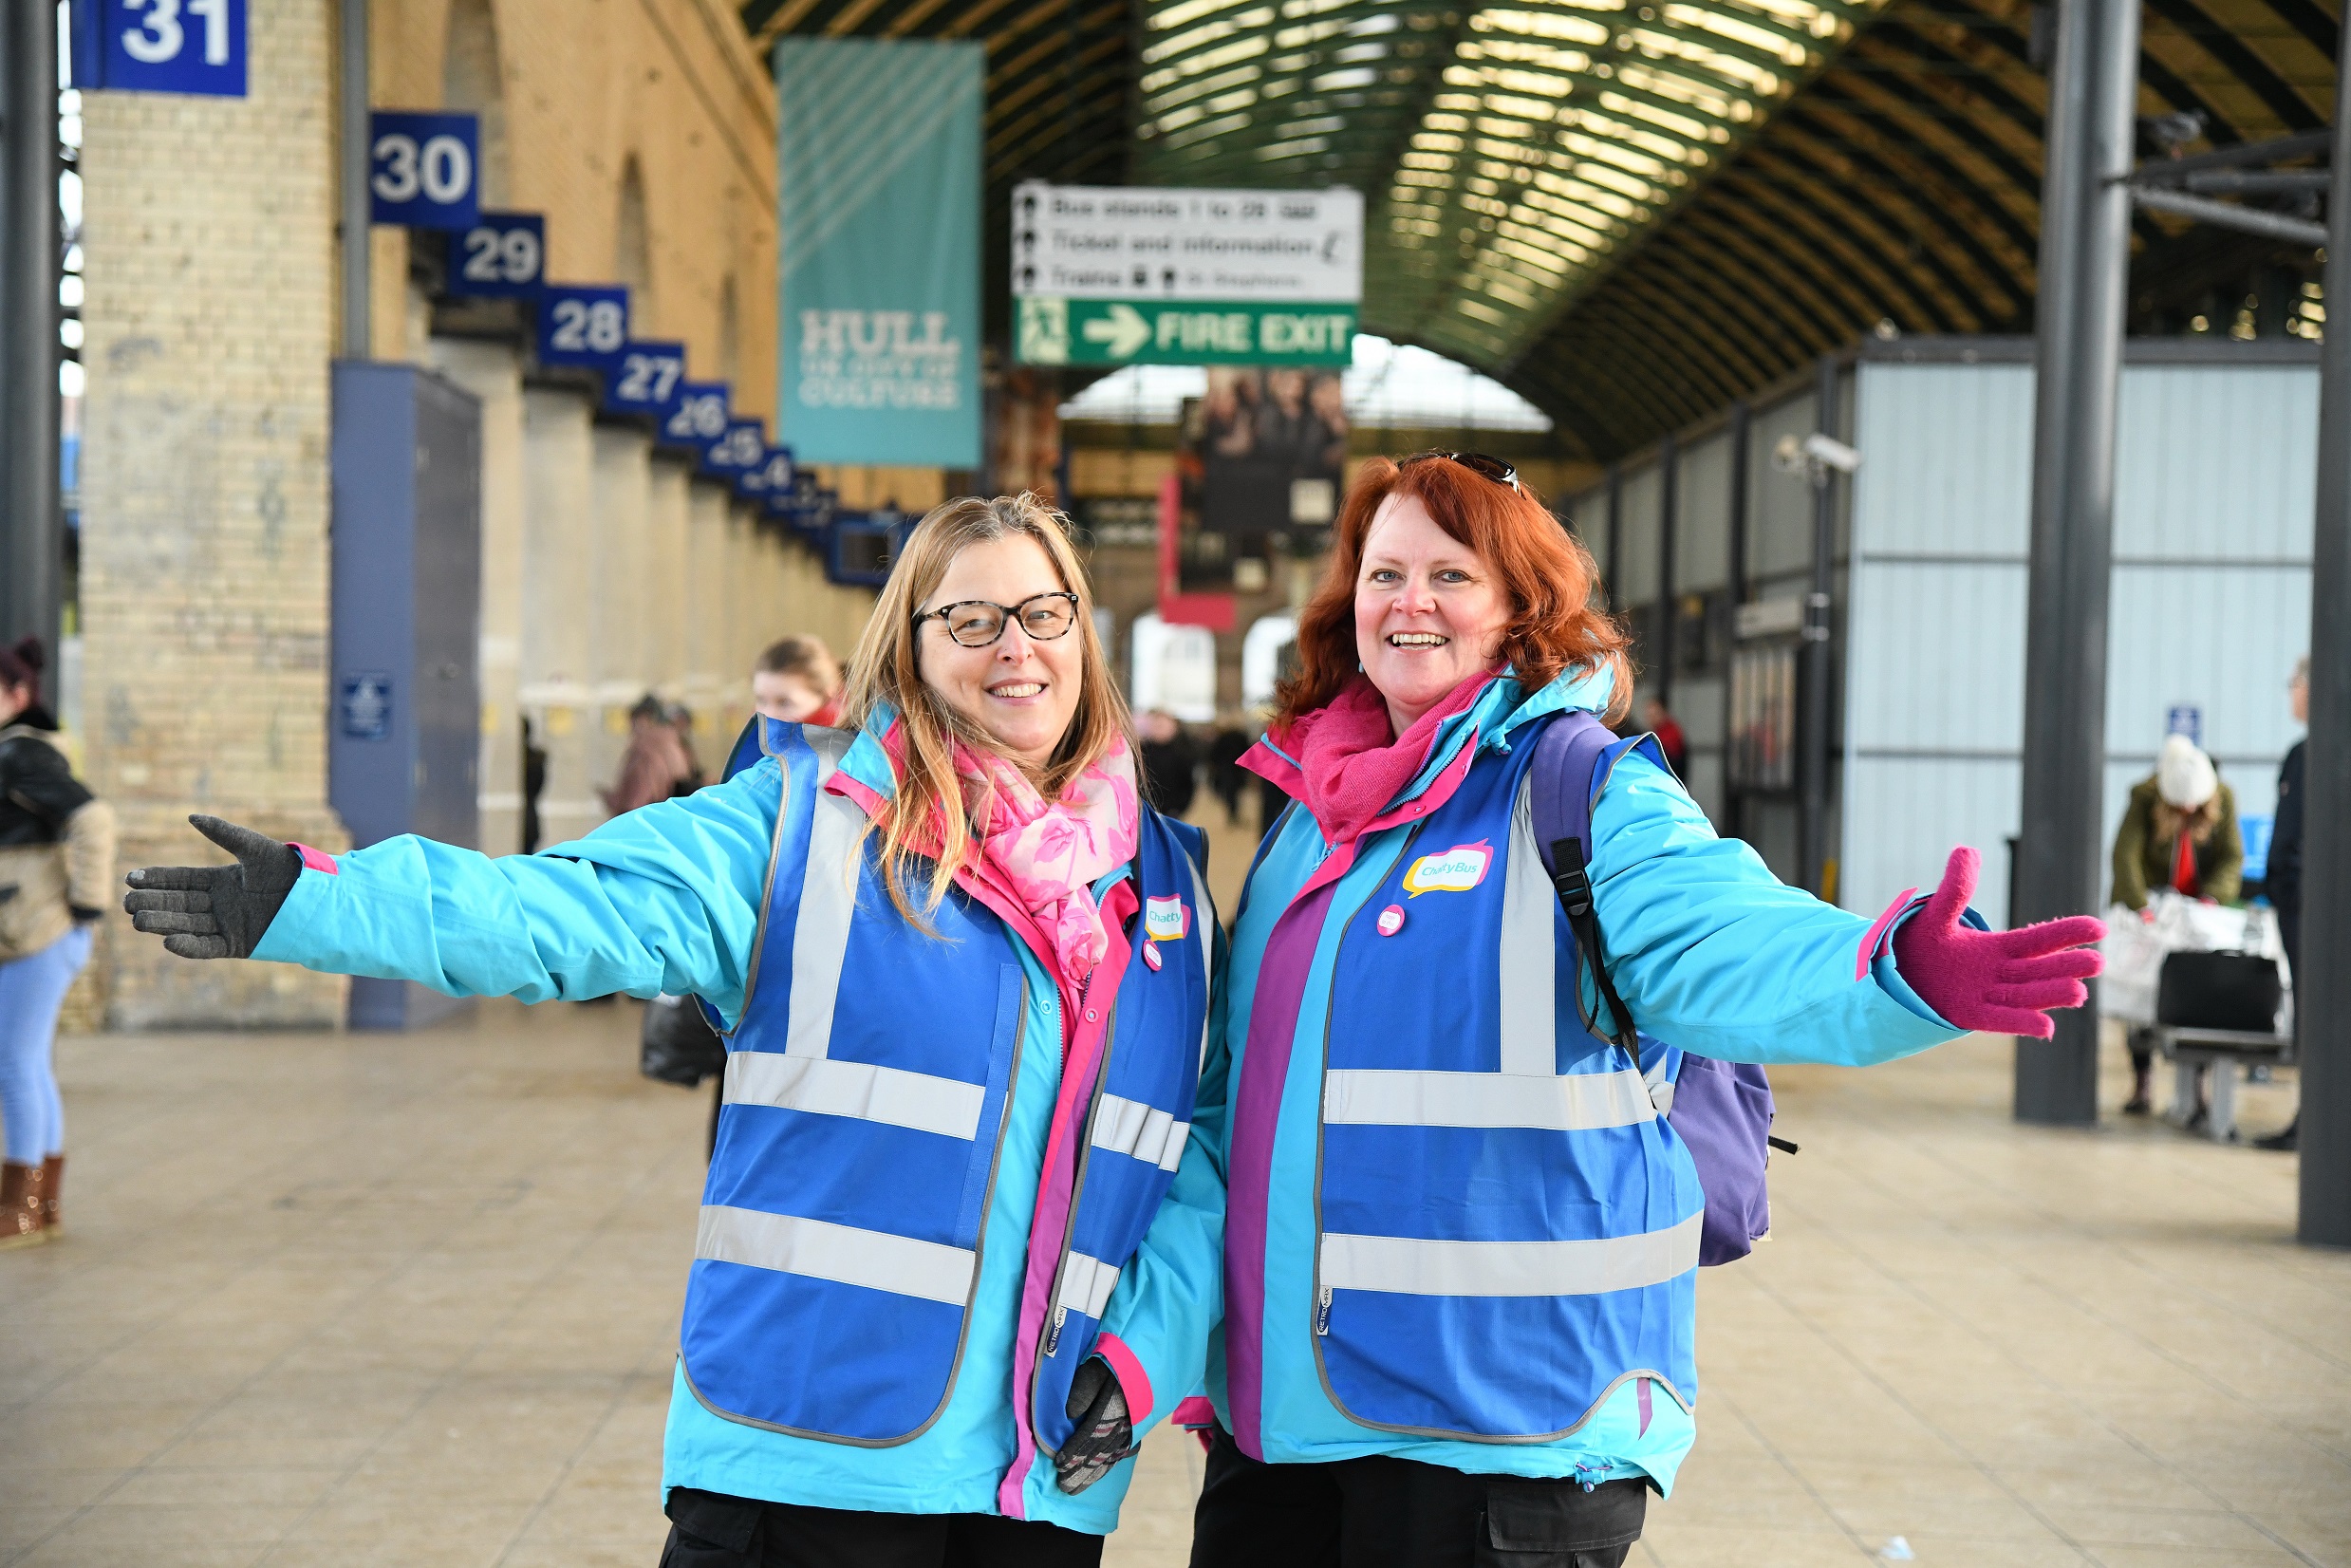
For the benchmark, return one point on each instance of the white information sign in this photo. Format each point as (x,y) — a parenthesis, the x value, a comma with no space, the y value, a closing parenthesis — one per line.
(1103,242)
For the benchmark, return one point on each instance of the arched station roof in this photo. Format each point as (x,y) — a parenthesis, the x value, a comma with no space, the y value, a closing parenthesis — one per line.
(1633,212)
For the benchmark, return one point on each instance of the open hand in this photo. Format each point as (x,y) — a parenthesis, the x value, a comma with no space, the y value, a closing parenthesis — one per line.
(215,911)
(2003,982)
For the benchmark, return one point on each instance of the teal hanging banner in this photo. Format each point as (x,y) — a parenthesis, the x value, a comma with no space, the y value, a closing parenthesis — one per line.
(878,178)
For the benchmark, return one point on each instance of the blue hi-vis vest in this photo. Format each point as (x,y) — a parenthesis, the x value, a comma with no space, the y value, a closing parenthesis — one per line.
(1506,1227)
(864,1107)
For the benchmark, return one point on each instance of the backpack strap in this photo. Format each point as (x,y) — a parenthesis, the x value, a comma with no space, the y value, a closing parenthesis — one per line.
(1573,758)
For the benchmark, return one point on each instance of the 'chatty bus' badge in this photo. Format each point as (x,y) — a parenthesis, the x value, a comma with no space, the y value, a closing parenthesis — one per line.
(1454,871)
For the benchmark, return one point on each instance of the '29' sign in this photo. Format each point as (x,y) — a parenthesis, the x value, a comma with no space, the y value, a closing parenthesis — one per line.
(421,170)
(504,254)
(161,45)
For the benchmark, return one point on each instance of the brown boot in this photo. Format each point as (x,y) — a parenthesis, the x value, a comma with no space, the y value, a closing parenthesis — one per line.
(20,1205)
(52,1177)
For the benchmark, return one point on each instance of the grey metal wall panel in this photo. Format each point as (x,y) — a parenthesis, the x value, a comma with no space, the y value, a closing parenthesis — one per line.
(1701,540)
(1636,577)
(1946,458)
(1779,504)
(2214,462)
(1936,657)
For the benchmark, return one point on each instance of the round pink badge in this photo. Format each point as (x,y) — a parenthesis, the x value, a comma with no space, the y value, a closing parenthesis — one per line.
(1151,956)
(1391,920)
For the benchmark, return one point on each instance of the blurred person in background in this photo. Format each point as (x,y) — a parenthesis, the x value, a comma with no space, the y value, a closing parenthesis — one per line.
(681,719)
(959,1242)
(2179,832)
(2284,880)
(1171,761)
(1658,720)
(56,879)
(656,766)
(796,681)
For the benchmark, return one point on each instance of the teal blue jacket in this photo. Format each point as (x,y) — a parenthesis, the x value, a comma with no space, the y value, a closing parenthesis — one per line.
(1710,952)
(667,899)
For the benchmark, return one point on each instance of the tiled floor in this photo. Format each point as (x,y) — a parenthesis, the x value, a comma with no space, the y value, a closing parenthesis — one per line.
(412,1301)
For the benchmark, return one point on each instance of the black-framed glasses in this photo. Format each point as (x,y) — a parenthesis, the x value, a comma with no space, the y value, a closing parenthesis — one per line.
(977,622)
(1477,462)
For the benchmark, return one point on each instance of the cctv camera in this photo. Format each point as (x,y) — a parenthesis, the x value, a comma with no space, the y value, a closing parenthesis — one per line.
(1829,450)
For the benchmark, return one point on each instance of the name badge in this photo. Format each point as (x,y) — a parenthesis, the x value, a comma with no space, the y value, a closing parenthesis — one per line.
(1454,871)
(1165,918)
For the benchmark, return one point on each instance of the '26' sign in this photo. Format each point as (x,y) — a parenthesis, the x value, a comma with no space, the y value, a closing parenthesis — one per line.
(421,170)
(161,45)
(700,416)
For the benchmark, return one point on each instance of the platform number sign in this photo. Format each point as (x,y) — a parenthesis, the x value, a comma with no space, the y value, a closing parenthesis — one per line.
(160,45)
(583,326)
(504,255)
(699,415)
(738,450)
(421,170)
(769,477)
(646,379)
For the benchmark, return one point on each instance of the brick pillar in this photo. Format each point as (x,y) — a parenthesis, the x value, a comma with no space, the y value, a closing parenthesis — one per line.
(708,657)
(209,245)
(667,609)
(558,572)
(618,600)
(492,372)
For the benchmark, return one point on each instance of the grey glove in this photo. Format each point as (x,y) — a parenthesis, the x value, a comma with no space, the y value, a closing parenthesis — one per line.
(1104,1435)
(215,911)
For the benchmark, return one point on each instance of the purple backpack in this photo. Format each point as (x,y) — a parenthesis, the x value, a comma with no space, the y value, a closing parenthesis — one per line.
(1720,1110)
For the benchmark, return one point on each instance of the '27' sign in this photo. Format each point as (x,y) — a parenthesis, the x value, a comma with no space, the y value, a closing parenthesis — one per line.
(160,45)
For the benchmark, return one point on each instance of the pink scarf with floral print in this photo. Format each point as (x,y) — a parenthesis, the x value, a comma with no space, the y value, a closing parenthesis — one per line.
(1047,852)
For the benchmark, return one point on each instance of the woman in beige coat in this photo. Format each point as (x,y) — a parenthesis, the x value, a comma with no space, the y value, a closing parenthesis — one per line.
(56,876)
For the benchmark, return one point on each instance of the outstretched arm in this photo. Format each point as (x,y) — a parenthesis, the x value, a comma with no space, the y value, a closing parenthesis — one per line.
(663,899)
(1714,954)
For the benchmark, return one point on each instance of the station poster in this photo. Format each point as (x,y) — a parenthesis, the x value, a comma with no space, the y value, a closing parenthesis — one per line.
(878,177)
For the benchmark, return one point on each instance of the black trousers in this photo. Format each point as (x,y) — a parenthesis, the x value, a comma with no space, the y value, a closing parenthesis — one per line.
(712,1530)
(1380,1512)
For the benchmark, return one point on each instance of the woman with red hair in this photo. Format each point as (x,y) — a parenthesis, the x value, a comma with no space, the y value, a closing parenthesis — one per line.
(1462,1237)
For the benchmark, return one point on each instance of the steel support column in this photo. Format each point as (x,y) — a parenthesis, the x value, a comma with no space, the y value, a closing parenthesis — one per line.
(2085,221)
(1812,718)
(2323,985)
(31,526)
(1616,539)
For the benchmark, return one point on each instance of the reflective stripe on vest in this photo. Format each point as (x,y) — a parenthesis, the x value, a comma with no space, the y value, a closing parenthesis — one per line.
(1086,1284)
(1409,1267)
(948,1107)
(1130,1127)
(821,1250)
(1561,1102)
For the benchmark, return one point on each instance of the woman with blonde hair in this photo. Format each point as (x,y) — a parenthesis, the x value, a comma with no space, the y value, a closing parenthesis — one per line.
(963,1210)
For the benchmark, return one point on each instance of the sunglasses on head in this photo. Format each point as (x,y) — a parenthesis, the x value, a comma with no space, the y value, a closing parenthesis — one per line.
(1477,462)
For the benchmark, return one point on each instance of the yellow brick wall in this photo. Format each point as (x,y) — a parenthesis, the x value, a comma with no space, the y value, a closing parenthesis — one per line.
(208,239)
(590,85)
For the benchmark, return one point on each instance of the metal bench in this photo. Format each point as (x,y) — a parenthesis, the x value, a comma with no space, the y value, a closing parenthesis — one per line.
(2225,1050)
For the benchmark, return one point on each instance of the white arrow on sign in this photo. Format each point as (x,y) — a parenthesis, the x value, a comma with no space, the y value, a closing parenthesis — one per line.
(1125,331)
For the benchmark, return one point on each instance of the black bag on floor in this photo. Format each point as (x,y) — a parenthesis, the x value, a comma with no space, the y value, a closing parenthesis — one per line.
(678,1044)
(2239,991)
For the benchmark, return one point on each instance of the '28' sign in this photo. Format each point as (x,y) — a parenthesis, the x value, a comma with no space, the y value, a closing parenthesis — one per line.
(422,170)
(583,326)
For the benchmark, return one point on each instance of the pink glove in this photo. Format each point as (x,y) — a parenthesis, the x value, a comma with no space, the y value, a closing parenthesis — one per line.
(2003,982)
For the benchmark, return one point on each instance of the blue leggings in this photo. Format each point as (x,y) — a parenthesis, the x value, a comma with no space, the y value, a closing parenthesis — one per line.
(31,990)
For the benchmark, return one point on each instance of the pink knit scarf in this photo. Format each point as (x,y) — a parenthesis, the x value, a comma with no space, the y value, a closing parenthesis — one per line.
(1354,762)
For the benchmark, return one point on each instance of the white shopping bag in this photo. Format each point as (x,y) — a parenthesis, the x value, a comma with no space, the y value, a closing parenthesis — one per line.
(2137,943)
